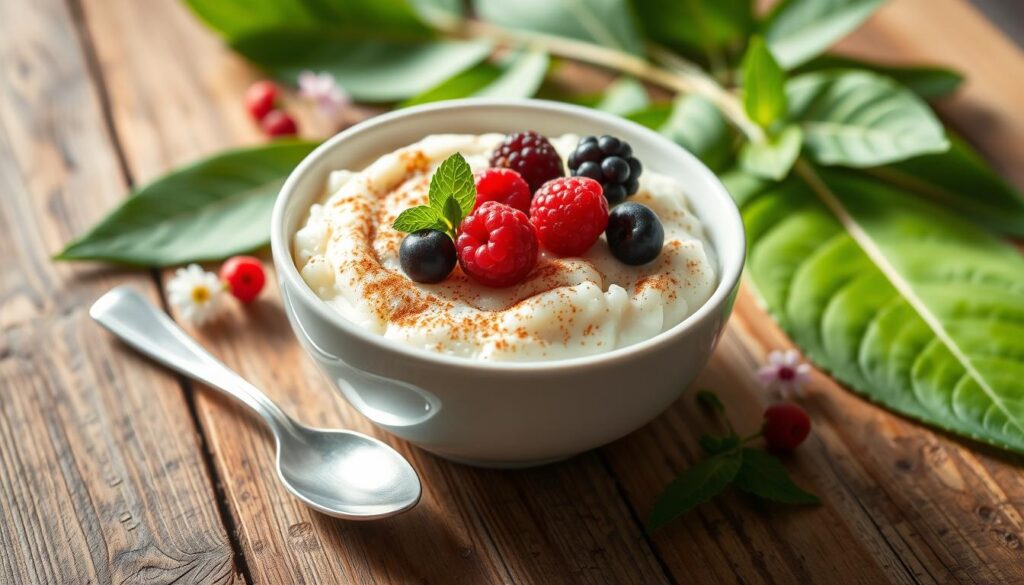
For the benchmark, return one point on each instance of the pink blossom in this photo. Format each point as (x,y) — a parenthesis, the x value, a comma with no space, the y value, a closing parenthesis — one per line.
(324,91)
(785,373)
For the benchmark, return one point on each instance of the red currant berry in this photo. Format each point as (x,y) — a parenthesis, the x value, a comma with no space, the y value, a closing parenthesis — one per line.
(277,123)
(786,425)
(504,186)
(244,276)
(260,99)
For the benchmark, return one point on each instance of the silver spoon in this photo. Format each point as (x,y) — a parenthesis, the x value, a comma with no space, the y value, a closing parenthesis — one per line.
(340,473)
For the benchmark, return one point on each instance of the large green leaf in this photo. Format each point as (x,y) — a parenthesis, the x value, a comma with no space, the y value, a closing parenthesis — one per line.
(232,18)
(928,82)
(772,158)
(623,97)
(604,22)
(696,26)
(861,119)
(799,30)
(374,71)
(698,126)
(519,76)
(764,93)
(905,302)
(963,181)
(206,211)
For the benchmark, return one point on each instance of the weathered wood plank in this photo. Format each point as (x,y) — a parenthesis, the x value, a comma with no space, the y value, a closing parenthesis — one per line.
(103,473)
(560,524)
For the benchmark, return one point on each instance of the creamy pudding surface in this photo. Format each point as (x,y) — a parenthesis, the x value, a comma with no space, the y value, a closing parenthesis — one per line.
(347,252)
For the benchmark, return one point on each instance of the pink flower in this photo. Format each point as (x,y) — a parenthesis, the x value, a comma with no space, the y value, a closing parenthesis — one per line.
(785,373)
(322,90)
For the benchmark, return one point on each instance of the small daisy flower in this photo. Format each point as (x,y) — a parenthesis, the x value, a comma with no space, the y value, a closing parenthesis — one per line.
(785,373)
(322,90)
(195,294)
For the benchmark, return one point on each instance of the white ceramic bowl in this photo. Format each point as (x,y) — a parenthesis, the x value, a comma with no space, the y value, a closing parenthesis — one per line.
(504,414)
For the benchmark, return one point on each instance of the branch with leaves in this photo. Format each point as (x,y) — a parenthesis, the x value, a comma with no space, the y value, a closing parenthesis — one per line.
(876,236)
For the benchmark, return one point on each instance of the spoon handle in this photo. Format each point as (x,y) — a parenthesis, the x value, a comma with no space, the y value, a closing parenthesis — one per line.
(127,314)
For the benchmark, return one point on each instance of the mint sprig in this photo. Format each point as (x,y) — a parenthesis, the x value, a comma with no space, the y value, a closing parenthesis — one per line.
(450,199)
(728,463)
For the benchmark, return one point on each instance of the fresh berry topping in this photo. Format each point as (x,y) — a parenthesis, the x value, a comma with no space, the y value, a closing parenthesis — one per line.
(260,98)
(244,277)
(531,155)
(278,123)
(504,186)
(635,235)
(497,245)
(609,161)
(427,256)
(786,425)
(569,214)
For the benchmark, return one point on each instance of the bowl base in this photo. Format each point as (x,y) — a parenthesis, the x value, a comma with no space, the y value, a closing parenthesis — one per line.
(499,464)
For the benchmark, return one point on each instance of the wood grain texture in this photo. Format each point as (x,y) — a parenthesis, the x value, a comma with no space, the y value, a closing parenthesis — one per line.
(102,477)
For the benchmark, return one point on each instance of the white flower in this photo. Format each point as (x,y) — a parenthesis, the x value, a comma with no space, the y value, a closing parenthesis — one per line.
(322,90)
(785,373)
(195,294)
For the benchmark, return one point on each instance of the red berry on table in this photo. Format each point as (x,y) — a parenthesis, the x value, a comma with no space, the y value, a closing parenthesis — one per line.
(244,277)
(570,214)
(786,425)
(504,186)
(530,155)
(278,123)
(496,245)
(260,99)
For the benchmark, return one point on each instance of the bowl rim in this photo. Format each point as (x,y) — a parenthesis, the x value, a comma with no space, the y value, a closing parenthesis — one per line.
(288,274)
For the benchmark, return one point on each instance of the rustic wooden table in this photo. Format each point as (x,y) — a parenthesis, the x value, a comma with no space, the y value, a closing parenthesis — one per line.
(112,470)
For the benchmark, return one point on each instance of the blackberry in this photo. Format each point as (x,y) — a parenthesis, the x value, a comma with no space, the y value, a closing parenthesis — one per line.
(609,161)
(530,155)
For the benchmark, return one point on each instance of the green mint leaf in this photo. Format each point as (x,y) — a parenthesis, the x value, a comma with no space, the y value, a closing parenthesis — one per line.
(764,476)
(419,218)
(708,399)
(452,212)
(799,30)
(453,179)
(764,84)
(694,486)
(773,158)
(715,444)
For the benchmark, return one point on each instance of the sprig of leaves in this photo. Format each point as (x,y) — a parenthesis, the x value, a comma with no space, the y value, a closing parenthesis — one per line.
(451,198)
(729,462)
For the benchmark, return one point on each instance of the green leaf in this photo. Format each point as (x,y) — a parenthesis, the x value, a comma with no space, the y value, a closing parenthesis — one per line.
(655,116)
(233,18)
(708,399)
(715,444)
(763,476)
(799,30)
(931,324)
(861,119)
(209,210)
(696,26)
(694,486)
(772,158)
(764,89)
(521,77)
(368,19)
(698,126)
(419,218)
(962,181)
(742,185)
(461,85)
(625,96)
(372,71)
(453,180)
(927,82)
(603,22)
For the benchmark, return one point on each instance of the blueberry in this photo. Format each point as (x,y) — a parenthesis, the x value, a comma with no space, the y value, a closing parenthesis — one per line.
(614,193)
(609,144)
(589,169)
(615,169)
(634,233)
(427,256)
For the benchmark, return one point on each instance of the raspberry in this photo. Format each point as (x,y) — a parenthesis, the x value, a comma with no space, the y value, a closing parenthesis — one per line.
(244,277)
(260,98)
(504,186)
(531,155)
(497,245)
(277,123)
(610,161)
(569,214)
(786,425)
